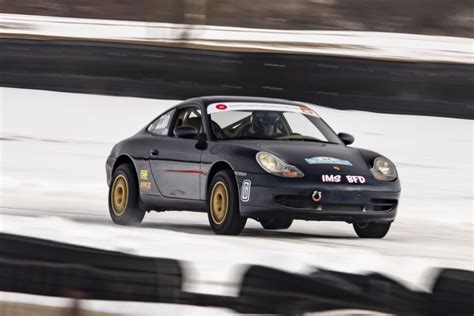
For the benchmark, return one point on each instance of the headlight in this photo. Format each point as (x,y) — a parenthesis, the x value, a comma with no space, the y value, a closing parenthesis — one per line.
(274,165)
(384,169)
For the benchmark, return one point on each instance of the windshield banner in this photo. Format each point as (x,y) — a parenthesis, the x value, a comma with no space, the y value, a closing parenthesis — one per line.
(247,106)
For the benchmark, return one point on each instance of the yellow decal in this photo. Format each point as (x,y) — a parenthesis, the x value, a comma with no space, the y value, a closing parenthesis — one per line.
(144,174)
(145,185)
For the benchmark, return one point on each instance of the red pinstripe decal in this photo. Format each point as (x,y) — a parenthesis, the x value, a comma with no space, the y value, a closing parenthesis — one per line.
(187,171)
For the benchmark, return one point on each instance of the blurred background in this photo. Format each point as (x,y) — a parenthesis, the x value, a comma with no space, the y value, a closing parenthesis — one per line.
(431,17)
(78,76)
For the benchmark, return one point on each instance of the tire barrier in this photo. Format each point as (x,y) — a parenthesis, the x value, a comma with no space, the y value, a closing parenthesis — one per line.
(275,291)
(41,267)
(140,70)
(272,291)
(453,293)
(35,266)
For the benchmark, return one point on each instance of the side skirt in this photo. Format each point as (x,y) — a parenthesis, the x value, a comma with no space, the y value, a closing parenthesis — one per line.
(161,203)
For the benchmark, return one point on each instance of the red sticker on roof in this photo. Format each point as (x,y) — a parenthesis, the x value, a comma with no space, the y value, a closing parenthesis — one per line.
(221,106)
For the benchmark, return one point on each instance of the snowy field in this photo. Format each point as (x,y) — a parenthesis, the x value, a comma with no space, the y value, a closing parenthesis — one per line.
(378,45)
(52,185)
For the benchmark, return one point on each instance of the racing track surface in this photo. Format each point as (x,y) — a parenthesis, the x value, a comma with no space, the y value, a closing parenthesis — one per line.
(53,186)
(178,73)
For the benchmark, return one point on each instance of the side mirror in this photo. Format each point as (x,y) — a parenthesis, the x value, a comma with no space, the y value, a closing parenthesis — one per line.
(347,139)
(185,131)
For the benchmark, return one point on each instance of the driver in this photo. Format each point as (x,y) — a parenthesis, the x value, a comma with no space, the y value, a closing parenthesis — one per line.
(264,124)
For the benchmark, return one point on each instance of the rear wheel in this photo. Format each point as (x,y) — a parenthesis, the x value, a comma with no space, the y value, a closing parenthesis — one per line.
(223,205)
(371,230)
(276,223)
(123,197)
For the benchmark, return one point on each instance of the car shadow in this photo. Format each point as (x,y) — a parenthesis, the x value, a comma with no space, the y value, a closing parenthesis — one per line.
(202,229)
(205,230)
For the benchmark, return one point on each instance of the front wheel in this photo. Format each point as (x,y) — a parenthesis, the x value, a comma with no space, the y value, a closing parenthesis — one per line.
(123,197)
(223,203)
(371,230)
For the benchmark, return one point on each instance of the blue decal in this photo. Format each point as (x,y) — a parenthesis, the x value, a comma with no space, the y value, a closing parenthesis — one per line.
(327,161)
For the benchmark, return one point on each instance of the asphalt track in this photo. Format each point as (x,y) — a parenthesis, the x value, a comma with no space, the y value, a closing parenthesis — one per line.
(178,73)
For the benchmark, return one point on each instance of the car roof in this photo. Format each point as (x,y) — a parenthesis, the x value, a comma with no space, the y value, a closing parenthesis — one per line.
(206,100)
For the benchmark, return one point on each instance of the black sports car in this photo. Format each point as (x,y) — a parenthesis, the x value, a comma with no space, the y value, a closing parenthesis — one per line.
(236,158)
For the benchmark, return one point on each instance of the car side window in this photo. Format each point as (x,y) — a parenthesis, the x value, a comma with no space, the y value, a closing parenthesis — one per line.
(161,125)
(189,117)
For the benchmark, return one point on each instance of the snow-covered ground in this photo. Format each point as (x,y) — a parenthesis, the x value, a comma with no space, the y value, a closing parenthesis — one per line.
(393,46)
(52,185)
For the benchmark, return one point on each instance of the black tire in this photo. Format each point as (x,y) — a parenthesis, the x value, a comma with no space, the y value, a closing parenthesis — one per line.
(371,230)
(231,223)
(130,214)
(276,223)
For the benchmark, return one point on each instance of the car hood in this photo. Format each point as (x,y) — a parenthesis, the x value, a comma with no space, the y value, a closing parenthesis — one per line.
(319,158)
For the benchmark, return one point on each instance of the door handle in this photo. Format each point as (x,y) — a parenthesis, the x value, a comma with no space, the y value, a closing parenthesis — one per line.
(154,152)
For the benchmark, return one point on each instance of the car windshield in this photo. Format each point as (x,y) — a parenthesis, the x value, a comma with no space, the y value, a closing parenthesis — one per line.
(235,120)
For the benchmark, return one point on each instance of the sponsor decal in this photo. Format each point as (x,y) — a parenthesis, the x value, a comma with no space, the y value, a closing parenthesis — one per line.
(327,161)
(355,179)
(143,174)
(245,191)
(330,178)
(249,106)
(145,185)
(317,196)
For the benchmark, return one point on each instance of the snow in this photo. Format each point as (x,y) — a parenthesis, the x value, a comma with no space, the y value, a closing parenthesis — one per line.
(378,45)
(77,131)
(52,185)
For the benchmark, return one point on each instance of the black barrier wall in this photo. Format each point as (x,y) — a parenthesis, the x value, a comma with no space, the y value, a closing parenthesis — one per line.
(180,73)
(41,267)
(36,266)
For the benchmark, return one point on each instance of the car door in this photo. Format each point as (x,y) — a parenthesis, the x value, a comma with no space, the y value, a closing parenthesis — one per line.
(176,162)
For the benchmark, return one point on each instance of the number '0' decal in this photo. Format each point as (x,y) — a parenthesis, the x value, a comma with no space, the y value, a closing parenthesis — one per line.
(245,191)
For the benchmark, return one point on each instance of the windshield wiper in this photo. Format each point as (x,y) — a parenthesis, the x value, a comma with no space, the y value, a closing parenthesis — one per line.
(249,137)
(307,140)
(302,138)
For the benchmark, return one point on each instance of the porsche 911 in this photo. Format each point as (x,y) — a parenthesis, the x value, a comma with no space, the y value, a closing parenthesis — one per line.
(240,158)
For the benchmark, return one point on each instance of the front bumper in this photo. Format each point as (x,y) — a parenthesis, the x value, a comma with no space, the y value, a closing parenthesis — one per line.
(273,197)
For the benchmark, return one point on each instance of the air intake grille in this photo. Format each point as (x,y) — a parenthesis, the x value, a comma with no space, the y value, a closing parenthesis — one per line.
(305,202)
(381,205)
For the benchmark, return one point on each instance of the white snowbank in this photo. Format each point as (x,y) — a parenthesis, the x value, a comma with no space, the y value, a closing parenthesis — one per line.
(342,43)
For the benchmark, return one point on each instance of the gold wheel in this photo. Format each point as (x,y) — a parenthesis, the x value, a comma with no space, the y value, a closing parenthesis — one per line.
(119,197)
(219,202)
